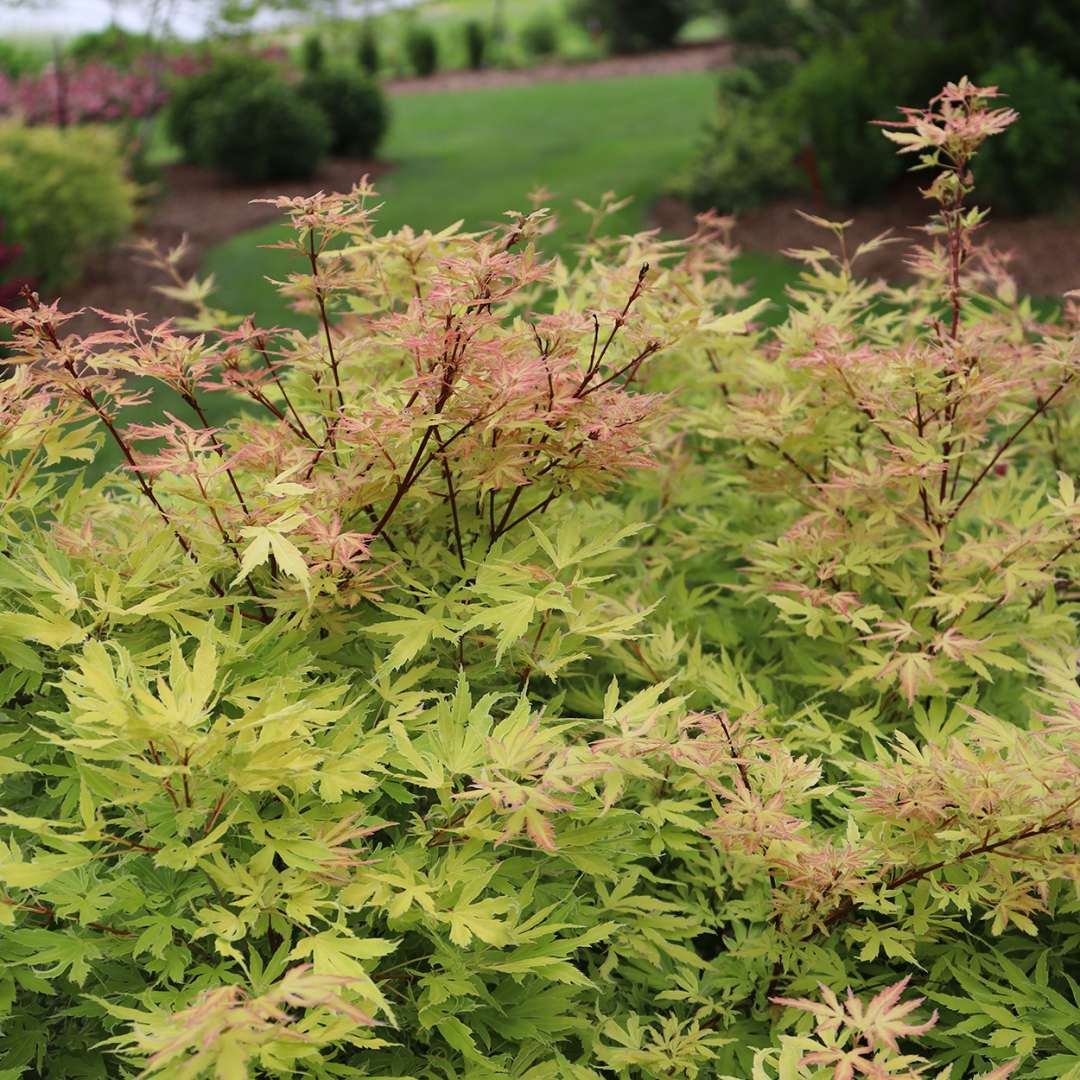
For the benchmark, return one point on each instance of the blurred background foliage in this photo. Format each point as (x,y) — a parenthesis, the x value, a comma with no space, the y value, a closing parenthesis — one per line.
(755,101)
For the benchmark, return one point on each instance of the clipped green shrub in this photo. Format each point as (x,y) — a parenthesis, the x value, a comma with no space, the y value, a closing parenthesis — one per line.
(797,24)
(632,26)
(367,49)
(746,157)
(1034,165)
(540,37)
(985,34)
(262,130)
(16,60)
(63,196)
(422,50)
(859,56)
(312,53)
(354,107)
(764,23)
(976,32)
(476,43)
(112,45)
(833,99)
(189,94)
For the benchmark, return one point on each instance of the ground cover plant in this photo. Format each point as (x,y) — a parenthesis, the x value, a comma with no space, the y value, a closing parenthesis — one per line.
(553,672)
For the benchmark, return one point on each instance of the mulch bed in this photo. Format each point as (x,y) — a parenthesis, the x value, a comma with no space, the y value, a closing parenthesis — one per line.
(687,58)
(1045,250)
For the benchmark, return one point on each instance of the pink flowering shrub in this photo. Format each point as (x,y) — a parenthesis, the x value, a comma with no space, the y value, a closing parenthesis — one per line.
(543,670)
(9,286)
(91,93)
(96,92)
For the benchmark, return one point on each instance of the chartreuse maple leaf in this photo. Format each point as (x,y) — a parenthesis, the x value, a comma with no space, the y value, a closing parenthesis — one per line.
(413,628)
(266,542)
(227,1032)
(343,955)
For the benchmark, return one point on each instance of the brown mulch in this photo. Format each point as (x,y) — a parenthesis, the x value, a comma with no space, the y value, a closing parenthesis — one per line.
(207,209)
(686,58)
(1045,249)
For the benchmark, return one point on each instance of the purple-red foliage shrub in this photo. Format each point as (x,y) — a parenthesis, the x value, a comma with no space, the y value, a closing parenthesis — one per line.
(91,93)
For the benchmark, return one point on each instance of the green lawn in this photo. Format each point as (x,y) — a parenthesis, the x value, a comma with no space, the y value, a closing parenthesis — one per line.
(473,154)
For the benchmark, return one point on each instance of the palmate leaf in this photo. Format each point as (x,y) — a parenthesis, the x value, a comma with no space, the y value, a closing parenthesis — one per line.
(17,874)
(58,952)
(49,628)
(573,546)
(413,628)
(265,543)
(343,955)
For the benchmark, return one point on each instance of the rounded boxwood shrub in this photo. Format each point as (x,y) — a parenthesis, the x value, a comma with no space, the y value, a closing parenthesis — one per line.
(476,41)
(1032,166)
(263,130)
(634,26)
(63,196)
(211,85)
(354,107)
(422,50)
(540,37)
(367,50)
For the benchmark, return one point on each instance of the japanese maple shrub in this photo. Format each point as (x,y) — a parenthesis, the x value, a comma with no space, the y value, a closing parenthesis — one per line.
(882,488)
(548,672)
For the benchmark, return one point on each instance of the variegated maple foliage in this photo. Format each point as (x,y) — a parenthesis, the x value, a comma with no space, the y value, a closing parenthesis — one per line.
(545,671)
